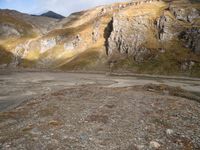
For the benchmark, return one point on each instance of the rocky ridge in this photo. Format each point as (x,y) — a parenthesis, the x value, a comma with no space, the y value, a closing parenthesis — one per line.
(52,14)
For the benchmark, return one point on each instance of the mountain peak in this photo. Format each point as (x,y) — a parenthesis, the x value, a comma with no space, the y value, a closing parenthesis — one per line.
(52,14)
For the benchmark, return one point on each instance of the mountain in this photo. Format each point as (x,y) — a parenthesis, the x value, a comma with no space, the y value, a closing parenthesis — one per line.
(25,23)
(146,36)
(52,14)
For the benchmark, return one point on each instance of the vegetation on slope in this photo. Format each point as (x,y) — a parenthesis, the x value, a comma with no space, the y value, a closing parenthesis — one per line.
(5,57)
(25,29)
(87,60)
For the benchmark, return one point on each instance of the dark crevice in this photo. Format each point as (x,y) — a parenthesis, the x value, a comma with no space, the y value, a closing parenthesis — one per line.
(107,32)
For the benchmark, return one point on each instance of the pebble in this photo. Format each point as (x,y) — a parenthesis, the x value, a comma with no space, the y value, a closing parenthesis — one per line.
(7,146)
(84,137)
(154,144)
(169,131)
(140,147)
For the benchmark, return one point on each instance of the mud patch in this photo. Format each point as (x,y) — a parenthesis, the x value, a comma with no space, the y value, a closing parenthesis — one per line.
(173,91)
(97,118)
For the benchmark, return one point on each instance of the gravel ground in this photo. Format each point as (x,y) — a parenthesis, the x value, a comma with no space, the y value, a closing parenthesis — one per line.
(99,117)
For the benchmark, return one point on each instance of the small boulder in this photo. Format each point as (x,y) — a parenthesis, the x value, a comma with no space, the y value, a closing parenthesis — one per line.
(154,145)
(169,131)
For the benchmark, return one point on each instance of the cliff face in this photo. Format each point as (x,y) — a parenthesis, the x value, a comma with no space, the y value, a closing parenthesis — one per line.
(152,36)
(134,30)
(157,36)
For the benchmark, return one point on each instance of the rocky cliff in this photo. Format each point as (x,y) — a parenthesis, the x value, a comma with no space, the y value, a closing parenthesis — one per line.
(157,36)
(151,36)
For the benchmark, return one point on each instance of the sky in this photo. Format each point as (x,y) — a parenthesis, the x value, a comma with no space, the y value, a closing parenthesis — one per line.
(63,7)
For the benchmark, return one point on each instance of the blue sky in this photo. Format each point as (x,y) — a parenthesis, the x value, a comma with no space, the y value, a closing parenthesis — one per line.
(64,7)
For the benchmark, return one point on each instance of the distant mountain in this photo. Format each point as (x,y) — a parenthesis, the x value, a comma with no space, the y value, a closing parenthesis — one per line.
(17,24)
(52,14)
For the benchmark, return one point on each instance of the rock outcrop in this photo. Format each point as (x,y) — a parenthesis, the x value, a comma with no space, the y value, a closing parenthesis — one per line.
(167,27)
(187,14)
(47,44)
(128,36)
(191,39)
(73,43)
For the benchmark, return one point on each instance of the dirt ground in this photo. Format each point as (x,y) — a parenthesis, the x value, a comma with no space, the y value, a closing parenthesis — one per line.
(99,113)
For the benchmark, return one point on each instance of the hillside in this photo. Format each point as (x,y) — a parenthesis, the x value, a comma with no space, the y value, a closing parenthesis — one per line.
(144,36)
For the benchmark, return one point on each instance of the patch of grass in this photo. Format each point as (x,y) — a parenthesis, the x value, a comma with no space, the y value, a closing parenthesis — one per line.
(10,43)
(49,111)
(98,118)
(70,31)
(174,91)
(83,60)
(5,56)
(167,63)
(195,72)
(162,122)
(25,29)
(11,115)
(33,55)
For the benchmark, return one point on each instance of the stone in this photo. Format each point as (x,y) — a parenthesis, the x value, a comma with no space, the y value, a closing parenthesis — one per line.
(186,14)
(140,147)
(154,144)
(84,137)
(35,131)
(187,65)
(194,14)
(180,14)
(169,131)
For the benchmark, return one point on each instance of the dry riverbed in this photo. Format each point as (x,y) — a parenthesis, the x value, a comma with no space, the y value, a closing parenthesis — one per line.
(90,111)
